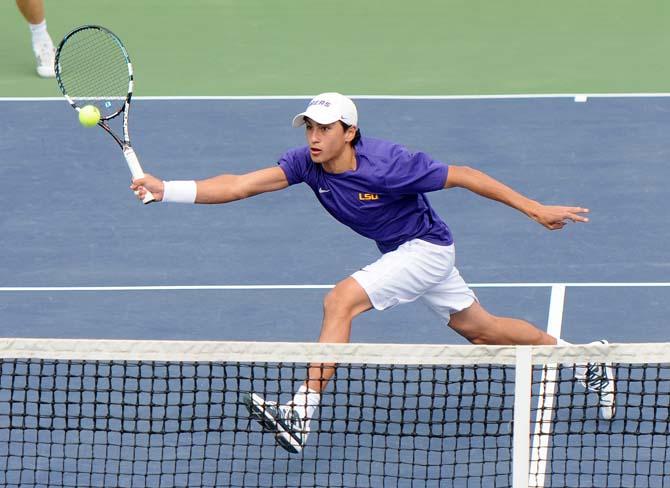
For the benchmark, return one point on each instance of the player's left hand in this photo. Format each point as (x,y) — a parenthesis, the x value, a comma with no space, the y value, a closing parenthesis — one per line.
(555,217)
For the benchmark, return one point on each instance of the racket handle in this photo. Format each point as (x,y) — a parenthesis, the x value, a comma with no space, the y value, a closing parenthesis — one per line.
(136,170)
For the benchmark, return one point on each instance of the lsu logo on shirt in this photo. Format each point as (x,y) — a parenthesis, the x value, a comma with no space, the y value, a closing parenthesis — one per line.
(366,197)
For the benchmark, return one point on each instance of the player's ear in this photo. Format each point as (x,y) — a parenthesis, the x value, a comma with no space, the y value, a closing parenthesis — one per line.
(350,133)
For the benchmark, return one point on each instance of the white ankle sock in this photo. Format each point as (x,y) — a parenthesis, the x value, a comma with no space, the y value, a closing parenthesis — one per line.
(39,32)
(305,402)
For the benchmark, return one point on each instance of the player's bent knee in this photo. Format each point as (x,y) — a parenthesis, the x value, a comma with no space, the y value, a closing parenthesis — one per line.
(335,303)
(345,300)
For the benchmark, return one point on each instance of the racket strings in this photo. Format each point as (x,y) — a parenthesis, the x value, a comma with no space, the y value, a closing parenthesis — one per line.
(93,68)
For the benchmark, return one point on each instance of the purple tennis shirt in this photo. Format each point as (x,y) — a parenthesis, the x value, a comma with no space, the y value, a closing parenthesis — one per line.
(383,198)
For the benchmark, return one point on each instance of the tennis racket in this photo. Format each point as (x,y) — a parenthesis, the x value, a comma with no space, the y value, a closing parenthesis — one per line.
(93,68)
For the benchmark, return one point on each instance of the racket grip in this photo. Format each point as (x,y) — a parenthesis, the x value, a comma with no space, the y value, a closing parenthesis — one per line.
(136,170)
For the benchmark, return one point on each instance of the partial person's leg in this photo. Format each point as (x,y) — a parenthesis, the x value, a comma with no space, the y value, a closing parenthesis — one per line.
(291,422)
(454,301)
(457,305)
(397,277)
(344,302)
(32,10)
(480,327)
(400,276)
(43,47)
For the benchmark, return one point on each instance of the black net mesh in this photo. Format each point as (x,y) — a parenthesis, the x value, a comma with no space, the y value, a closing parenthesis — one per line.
(92,423)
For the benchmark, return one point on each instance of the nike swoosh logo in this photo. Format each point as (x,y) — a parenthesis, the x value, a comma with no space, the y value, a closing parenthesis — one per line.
(321,190)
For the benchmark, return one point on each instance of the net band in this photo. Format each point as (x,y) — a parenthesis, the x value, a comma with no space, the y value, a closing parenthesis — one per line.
(135,350)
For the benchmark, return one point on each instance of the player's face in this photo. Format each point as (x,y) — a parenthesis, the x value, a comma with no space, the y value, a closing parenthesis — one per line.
(326,141)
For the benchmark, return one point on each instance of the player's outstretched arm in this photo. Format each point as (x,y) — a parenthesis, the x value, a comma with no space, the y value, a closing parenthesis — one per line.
(218,189)
(552,217)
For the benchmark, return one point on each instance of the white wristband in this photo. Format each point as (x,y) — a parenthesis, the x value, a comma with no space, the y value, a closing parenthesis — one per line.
(180,191)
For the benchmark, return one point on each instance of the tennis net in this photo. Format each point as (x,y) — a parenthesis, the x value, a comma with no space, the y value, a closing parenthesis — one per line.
(80,413)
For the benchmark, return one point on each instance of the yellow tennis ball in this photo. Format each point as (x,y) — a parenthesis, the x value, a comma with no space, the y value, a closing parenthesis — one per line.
(89,115)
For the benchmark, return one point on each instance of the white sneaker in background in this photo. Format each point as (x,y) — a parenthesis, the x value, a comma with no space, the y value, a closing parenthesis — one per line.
(45,54)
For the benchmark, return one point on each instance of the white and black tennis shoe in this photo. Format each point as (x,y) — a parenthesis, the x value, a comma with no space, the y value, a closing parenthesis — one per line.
(599,378)
(283,420)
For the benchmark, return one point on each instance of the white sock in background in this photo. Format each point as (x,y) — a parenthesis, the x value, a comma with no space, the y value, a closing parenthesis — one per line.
(305,402)
(39,33)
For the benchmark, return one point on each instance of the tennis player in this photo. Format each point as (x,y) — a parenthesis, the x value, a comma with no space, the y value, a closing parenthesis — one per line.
(377,188)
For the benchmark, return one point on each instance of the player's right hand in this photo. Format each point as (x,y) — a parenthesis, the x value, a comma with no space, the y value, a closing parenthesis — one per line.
(149,183)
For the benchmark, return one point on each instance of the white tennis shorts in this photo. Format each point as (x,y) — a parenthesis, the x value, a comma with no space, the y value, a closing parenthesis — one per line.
(417,269)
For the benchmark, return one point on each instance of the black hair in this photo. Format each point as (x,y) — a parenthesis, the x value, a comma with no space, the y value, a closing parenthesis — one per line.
(357,137)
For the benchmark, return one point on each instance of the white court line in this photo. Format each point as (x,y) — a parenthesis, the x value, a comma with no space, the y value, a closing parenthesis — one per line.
(369,97)
(162,288)
(309,287)
(573,285)
(539,455)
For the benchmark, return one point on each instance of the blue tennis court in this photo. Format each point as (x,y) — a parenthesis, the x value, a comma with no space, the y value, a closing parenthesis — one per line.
(83,259)
(72,222)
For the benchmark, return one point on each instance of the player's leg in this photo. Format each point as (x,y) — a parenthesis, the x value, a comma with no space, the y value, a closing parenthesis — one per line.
(456,304)
(291,422)
(33,12)
(481,327)
(454,301)
(397,277)
(340,306)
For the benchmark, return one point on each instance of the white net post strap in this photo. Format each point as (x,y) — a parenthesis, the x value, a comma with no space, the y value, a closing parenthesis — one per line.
(521,434)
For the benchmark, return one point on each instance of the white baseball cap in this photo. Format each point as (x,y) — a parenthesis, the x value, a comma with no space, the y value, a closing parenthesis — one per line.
(328,108)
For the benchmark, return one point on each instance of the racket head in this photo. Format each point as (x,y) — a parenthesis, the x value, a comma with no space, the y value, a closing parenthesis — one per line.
(93,68)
